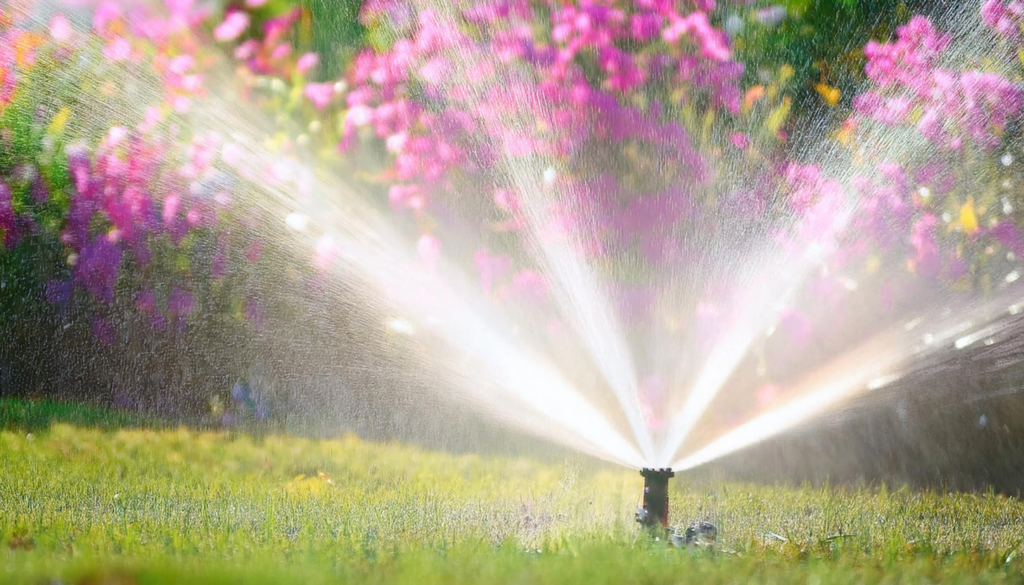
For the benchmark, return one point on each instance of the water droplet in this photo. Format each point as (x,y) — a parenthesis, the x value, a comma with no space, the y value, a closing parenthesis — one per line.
(947,217)
(296,221)
(982,420)
(401,326)
(1013,276)
(733,24)
(549,176)
(924,192)
(1006,159)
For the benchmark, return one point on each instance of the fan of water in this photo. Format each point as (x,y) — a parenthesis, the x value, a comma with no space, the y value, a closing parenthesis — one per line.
(644,332)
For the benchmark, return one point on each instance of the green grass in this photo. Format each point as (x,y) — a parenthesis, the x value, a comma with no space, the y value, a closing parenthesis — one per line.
(40,414)
(174,506)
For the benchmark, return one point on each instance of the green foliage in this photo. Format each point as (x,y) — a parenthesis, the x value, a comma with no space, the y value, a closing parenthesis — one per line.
(823,41)
(171,506)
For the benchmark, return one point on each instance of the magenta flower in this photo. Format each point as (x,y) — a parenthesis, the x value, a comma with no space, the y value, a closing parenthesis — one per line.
(740,140)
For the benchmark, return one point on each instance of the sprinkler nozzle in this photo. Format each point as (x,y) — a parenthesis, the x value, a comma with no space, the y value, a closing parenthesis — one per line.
(654,512)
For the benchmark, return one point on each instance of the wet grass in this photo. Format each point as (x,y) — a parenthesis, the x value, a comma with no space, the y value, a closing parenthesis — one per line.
(107,505)
(36,415)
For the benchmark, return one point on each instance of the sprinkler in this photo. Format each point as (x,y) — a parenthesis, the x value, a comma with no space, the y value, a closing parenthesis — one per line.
(653,515)
(654,512)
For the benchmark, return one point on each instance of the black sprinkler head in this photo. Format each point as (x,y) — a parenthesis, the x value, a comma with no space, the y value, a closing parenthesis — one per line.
(654,512)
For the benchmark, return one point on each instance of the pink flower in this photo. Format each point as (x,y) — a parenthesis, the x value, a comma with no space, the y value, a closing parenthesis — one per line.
(233,26)
(307,62)
(119,49)
(320,94)
(105,13)
(181,64)
(740,140)
(530,286)
(491,268)
(927,261)
(254,252)
(60,28)
(428,248)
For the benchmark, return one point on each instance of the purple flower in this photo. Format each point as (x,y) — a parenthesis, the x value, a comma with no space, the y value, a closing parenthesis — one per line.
(103,331)
(179,302)
(58,292)
(254,314)
(96,268)
(8,225)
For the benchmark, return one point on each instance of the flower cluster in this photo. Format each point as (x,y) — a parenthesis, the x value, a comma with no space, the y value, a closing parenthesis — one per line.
(144,212)
(915,203)
(619,129)
(949,106)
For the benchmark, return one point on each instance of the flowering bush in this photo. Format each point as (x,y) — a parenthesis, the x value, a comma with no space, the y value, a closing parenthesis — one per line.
(626,131)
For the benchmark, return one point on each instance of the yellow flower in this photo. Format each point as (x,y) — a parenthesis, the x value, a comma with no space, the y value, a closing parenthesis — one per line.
(831,94)
(968,217)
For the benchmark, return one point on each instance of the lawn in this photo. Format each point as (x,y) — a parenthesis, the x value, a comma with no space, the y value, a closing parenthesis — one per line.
(141,504)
